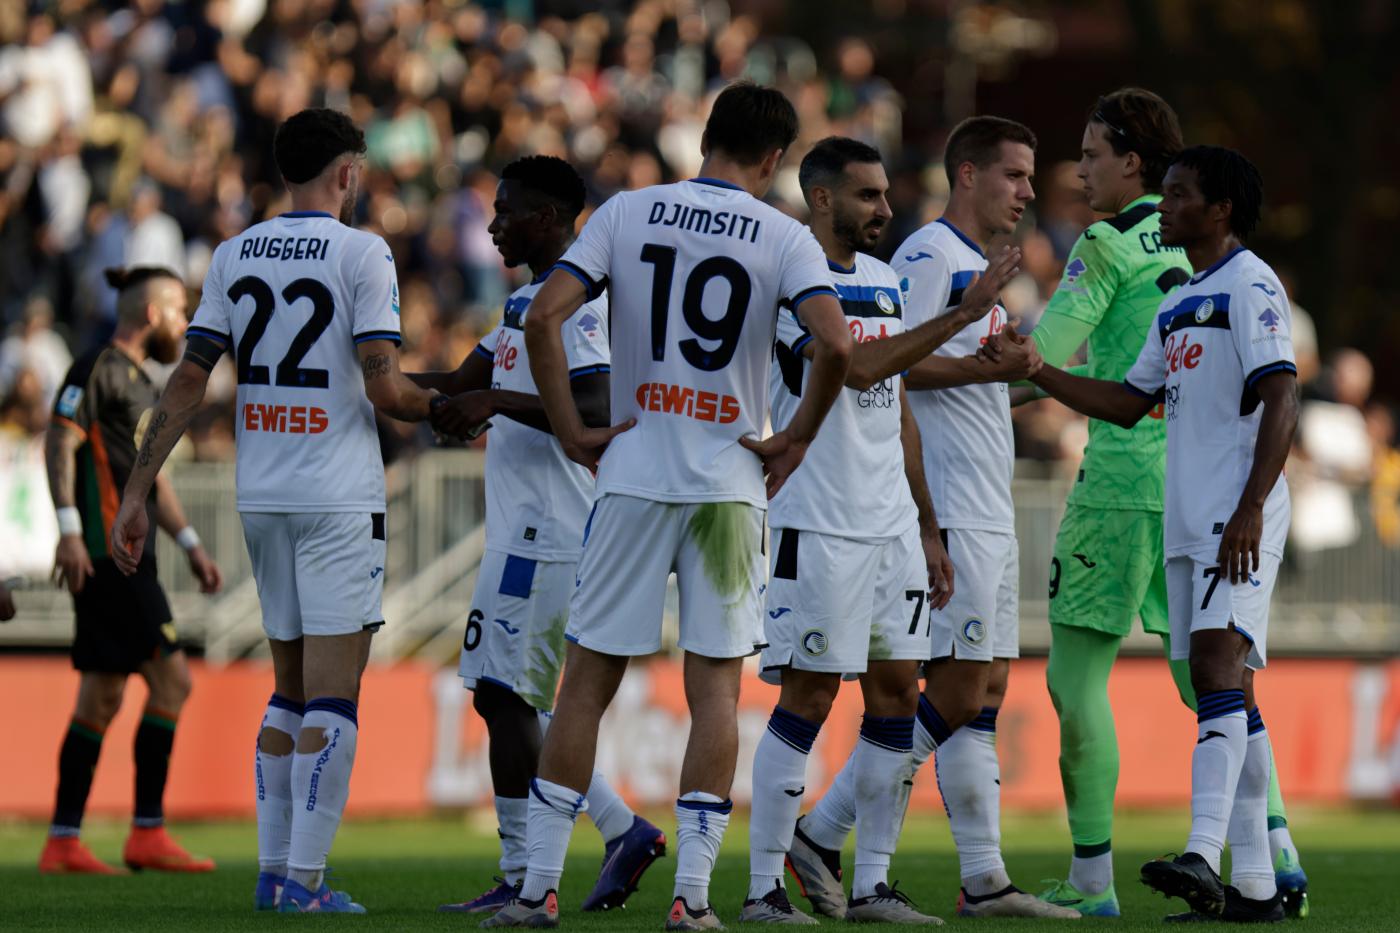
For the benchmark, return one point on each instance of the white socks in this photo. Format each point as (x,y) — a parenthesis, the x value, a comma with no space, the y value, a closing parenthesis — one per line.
(969,778)
(609,813)
(779,779)
(1093,875)
(834,816)
(273,778)
(1215,770)
(701,819)
(512,819)
(882,766)
(1251,866)
(553,810)
(320,787)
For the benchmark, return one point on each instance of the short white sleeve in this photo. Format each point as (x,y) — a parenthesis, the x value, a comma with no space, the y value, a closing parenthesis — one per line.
(792,334)
(925,283)
(1148,376)
(211,317)
(589,259)
(376,312)
(1261,328)
(804,269)
(586,346)
(487,346)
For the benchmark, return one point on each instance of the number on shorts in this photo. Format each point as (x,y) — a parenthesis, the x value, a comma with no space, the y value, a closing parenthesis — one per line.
(1214,574)
(473,636)
(918,597)
(1054,577)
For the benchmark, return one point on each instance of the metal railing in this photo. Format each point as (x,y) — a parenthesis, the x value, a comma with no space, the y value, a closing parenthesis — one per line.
(1339,601)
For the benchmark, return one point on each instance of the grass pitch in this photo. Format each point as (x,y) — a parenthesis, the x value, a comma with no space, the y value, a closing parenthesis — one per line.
(403,870)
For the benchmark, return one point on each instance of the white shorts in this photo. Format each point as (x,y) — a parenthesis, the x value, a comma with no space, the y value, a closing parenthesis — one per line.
(318,573)
(515,630)
(631,546)
(834,604)
(982,620)
(1199,599)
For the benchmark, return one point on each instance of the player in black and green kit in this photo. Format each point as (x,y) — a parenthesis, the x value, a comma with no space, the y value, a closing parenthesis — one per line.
(1108,565)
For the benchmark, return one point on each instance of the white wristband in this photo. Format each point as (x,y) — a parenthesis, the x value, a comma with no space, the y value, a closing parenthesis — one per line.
(188,538)
(69,521)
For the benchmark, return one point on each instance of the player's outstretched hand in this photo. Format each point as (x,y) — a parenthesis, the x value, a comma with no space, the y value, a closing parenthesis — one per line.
(1010,357)
(210,577)
(129,533)
(780,455)
(7,603)
(588,448)
(71,563)
(1239,544)
(982,293)
(940,569)
(462,414)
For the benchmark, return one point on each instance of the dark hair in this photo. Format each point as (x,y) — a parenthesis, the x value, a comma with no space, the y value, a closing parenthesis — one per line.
(1140,121)
(827,160)
(122,279)
(551,179)
(1225,175)
(978,140)
(749,121)
(313,139)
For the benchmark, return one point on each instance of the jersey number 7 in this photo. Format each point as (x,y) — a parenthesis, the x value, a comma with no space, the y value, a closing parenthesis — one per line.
(289,371)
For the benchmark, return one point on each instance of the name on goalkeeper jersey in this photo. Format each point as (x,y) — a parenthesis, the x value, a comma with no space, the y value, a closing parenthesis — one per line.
(689,403)
(701,220)
(284,247)
(284,419)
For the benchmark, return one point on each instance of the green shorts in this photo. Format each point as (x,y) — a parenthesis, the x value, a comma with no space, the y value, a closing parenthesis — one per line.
(1107,569)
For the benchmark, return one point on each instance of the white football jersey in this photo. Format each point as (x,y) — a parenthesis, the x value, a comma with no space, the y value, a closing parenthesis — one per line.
(1213,339)
(290,298)
(537,499)
(695,271)
(852,482)
(968,449)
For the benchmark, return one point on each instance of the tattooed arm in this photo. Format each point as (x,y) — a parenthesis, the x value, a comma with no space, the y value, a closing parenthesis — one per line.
(177,405)
(389,390)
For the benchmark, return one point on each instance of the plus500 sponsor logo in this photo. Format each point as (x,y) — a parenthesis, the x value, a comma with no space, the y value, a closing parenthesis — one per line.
(687,402)
(324,757)
(1182,353)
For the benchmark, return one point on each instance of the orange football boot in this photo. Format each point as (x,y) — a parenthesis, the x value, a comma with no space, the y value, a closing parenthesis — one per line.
(66,855)
(151,847)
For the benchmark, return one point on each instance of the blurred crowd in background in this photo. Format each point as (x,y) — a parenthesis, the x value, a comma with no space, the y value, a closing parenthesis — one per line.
(140,134)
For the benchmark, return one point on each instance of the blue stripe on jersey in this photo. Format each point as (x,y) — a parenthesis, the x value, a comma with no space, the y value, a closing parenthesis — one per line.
(957,285)
(1200,276)
(864,300)
(962,236)
(485,352)
(298,214)
(518,578)
(837,267)
(379,335)
(594,289)
(211,334)
(801,342)
(808,293)
(1282,366)
(589,370)
(717,182)
(1159,396)
(1195,311)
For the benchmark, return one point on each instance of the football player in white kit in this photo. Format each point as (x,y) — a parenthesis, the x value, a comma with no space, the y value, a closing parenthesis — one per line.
(856,547)
(696,271)
(1221,361)
(536,502)
(309,308)
(962,408)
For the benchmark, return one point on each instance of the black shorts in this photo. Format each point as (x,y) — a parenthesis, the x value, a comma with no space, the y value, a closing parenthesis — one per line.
(122,622)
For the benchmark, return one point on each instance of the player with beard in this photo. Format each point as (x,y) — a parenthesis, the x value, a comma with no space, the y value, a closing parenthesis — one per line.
(310,308)
(123,623)
(856,546)
(537,502)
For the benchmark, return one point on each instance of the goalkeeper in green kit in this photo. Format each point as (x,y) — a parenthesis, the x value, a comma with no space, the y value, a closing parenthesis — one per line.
(1108,564)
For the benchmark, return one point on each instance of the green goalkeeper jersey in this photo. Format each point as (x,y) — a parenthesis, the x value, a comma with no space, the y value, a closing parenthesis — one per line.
(1117,275)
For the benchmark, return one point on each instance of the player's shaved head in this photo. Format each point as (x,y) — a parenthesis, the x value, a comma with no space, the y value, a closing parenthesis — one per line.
(311,140)
(1136,120)
(139,287)
(548,180)
(749,122)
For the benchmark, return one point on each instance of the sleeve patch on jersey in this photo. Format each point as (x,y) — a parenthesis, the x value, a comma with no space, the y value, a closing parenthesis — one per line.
(69,401)
(589,323)
(1074,270)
